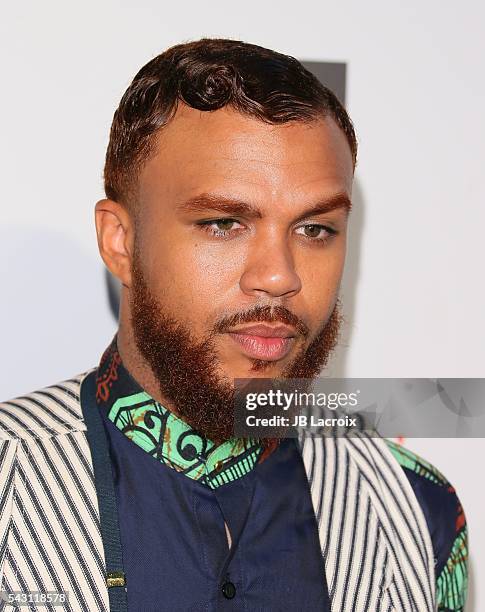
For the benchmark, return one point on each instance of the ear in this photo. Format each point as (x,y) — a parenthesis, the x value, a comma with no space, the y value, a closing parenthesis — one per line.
(114,229)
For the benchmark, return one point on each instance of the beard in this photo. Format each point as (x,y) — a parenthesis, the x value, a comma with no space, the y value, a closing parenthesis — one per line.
(186,368)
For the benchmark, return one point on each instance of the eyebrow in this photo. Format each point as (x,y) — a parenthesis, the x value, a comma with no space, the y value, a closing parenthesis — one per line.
(233,206)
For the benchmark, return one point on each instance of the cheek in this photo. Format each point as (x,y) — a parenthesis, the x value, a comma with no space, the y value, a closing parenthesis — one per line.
(194,281)
(321,278)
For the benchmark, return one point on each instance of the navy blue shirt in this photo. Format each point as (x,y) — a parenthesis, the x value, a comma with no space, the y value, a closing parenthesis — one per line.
(175,549)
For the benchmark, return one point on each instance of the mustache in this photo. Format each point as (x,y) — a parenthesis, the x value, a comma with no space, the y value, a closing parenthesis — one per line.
(262,314)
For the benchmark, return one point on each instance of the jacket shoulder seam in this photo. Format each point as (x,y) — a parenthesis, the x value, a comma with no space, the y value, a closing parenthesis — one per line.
(45,412)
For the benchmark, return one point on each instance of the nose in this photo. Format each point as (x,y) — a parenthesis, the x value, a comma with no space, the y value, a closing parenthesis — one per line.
(270,269)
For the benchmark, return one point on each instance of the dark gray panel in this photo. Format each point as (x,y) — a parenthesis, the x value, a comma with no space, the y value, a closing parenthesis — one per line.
(330,74)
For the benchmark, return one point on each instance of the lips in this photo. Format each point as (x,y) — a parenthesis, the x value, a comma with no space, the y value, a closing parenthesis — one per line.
(266,342)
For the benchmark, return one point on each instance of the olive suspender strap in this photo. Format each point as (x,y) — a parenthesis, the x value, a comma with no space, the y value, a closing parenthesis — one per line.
(108,511)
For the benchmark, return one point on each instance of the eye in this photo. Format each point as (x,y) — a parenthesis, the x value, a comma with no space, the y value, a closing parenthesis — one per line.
(315,231)
(220,227)
(224,224)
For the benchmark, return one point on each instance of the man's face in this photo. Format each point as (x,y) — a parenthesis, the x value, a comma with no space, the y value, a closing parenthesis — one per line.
(241,236)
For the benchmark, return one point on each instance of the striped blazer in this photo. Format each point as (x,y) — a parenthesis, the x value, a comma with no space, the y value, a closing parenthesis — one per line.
(374,539)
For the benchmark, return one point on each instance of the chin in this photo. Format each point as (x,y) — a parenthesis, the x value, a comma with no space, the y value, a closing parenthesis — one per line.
(254,368)
(265,369)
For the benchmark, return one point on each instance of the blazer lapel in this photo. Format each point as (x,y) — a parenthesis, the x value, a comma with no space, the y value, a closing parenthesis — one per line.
(53,541)
(373,535)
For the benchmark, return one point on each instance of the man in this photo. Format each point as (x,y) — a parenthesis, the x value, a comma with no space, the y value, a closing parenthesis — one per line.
(228,185)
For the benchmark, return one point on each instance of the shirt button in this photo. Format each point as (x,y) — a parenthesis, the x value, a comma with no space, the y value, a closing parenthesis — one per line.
(228,590)
(218,466)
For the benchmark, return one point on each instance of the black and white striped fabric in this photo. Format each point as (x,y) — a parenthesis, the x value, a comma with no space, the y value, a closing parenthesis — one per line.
(374,539)
(375,542)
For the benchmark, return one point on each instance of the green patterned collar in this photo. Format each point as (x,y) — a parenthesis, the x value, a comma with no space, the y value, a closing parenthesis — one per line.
(165,436)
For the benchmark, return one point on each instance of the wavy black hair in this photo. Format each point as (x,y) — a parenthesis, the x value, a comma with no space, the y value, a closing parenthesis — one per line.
(209,74)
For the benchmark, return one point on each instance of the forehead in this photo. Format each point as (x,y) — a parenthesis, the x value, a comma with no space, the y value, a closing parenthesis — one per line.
(239,156)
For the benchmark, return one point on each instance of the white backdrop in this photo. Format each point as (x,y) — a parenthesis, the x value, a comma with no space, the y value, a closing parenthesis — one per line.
(413,291)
